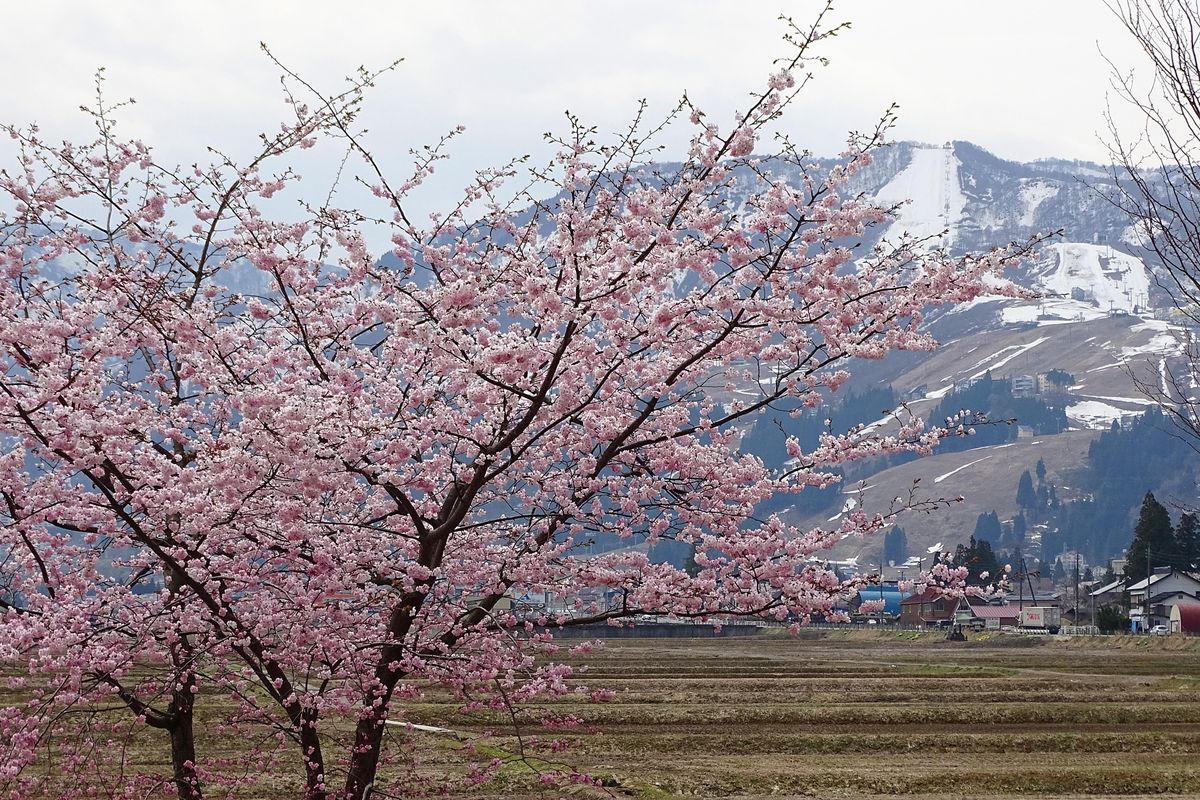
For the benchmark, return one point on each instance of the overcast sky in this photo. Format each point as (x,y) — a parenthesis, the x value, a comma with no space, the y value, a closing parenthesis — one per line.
(1024,78)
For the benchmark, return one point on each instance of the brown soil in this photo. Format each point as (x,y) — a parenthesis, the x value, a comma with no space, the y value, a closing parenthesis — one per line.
(836,715)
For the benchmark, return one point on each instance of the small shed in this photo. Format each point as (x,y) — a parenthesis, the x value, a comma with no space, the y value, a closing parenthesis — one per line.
(1185,619)
(996,617)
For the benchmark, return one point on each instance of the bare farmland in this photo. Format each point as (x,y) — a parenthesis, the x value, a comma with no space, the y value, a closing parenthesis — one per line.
(836,714)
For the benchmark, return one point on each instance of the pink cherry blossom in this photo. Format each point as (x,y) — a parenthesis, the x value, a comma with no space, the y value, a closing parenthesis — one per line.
(246,455)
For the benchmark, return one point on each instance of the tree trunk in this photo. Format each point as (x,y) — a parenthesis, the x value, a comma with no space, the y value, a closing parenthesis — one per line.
(183,749)
(368,733)
(182,709)
(315,787)
(368,739)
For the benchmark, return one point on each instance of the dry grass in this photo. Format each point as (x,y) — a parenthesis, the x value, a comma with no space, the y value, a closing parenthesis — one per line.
(862,714)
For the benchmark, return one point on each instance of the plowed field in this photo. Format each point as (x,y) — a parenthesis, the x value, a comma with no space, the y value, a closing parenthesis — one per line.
(836,714)
(860,714)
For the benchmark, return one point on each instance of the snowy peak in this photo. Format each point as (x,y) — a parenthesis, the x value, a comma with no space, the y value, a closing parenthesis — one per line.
(982,201)
(929,193)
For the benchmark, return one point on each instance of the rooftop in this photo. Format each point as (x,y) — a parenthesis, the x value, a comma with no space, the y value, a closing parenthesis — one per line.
(1108,587)
(996,612)
(1140,586)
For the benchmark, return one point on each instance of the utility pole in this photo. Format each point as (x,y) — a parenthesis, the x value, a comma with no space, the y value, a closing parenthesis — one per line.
(1020,588)
(1076,588)
(1146,602)
(1028,582)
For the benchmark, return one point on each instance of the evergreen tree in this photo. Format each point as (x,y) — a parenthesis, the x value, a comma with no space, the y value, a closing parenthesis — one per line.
(979,558)
(1088,575)
(1043,497)
(1026,496)
(1109,619)
(895,546)
(1060,377)
(1041,471)
(1060,573)
(1153,540)
(1052,544)
(1187,543)
(988,528)
(1109,575)
(994,398)
(1019,528)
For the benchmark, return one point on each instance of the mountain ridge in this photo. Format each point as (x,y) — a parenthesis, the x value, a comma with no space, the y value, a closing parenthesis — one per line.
(1102,317)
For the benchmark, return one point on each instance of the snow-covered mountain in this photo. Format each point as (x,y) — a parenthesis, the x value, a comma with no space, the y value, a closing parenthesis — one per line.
(1100,312)
(983,200)
(929,191)
(1101,317)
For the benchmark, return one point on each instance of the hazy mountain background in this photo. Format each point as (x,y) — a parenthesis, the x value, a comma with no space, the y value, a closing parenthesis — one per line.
(1063,366)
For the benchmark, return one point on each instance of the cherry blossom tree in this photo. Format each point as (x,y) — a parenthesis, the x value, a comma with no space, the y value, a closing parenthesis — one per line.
(247,455)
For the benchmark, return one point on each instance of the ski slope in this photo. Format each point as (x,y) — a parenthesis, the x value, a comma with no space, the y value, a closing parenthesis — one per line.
(930,185)
(1112,280)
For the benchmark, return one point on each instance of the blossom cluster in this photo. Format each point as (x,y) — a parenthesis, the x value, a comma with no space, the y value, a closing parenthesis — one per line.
(246,455)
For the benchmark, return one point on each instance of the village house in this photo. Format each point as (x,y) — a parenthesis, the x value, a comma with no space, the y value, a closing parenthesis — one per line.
(1021,596)
(928,607)
(1158,594)
(1110,594)
(931,608)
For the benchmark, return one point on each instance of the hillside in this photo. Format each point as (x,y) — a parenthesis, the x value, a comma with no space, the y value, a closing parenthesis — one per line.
(1099,318)
(1104,355)
(985,478)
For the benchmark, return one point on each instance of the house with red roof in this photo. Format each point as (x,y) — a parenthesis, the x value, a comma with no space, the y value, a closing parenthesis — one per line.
(931,608)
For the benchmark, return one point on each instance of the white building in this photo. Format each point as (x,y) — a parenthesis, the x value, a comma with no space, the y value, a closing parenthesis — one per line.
(1159,593)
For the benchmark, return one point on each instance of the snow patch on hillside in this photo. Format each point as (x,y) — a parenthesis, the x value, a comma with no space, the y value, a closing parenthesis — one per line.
(1097,415)
(943,477)
(1103,367)
(1051,311)
(1032,195)
(1165,338)
(1020,350)
(1141,401)
(1082,282)
(1134,236)
(930,185)
(850,504)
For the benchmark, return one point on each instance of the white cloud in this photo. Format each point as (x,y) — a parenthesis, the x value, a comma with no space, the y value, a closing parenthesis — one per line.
(1023,78)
